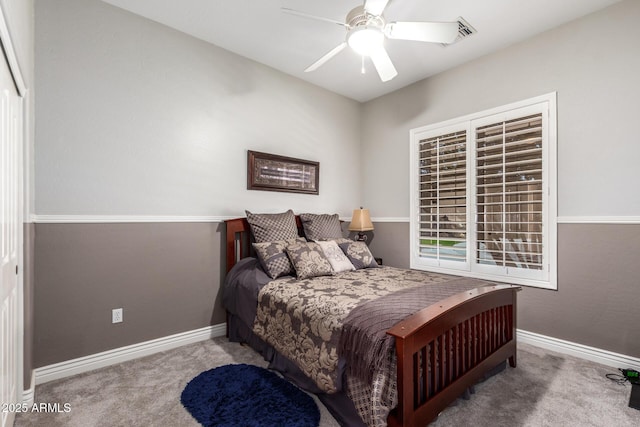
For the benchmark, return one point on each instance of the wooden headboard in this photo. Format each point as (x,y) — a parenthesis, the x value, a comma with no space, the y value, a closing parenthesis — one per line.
(239,239)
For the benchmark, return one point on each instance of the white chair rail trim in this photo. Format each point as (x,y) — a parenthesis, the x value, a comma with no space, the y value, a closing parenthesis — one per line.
(106,219)
(97,219)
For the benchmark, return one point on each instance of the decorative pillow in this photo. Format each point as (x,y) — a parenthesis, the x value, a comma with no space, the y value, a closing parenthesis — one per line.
(338,260)
(273,227)
(308,260)
(321,227)
(359,254)
(273,257)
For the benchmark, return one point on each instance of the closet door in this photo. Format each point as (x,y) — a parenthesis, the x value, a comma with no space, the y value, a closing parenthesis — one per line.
(11,134)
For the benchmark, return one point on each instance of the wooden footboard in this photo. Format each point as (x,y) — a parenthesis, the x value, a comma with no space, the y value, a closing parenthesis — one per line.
(447,347)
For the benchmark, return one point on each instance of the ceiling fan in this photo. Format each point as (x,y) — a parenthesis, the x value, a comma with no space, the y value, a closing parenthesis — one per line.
(367,30)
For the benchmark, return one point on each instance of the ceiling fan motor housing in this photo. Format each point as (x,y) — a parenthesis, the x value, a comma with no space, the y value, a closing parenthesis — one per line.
(358,16)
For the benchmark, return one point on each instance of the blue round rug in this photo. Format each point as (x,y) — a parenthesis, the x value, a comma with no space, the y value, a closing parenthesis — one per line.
(246,395)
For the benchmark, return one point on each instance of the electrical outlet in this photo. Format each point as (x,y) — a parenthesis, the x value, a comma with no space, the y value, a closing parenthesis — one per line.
(116,315)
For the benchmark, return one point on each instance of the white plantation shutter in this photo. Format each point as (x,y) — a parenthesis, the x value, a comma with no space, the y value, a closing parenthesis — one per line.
(443,197)
(483,195)
(509,190)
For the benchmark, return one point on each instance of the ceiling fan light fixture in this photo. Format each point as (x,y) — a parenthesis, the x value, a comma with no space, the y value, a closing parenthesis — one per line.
(365,40)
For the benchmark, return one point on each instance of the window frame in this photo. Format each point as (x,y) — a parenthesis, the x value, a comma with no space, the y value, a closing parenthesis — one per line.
(545,278)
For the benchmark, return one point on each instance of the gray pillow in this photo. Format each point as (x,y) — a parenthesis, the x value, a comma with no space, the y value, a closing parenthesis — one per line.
(321,227)
(309,260)
(272,227)
(274,259)
(359,254)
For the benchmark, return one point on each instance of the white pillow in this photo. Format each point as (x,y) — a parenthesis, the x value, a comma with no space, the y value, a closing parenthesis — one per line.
(338,260)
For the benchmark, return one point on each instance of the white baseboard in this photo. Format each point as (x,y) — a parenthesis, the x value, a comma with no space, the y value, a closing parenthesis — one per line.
(28,395)
(604,357)
(123,354)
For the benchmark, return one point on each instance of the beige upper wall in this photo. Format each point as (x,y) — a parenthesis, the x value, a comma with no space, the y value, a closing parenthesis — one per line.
(592,64)
(135,118)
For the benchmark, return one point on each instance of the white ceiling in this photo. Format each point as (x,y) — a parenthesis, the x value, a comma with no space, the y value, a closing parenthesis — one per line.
(257,29)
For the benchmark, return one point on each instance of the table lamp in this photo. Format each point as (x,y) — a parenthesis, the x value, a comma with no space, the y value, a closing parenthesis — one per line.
(360,222)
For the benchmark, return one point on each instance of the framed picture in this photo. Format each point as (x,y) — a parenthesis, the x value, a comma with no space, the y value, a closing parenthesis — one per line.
(271,172)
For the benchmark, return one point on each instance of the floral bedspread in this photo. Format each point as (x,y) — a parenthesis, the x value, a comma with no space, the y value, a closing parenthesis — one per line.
(303,319)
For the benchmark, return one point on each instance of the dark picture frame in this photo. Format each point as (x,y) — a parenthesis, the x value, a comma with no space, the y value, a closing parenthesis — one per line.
(271,172)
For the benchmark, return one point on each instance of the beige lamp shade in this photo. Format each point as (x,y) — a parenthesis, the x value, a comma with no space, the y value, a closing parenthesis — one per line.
(361,220)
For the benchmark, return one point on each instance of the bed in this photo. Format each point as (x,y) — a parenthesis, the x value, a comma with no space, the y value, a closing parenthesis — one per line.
(438,352)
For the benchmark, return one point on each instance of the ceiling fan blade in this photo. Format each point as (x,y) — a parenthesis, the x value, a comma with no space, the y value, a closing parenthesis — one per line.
(383,65)
(333,52)
(375,7)
(435,32)
(307,15)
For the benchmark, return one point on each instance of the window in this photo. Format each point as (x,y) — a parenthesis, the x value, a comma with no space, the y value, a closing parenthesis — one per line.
(483,194)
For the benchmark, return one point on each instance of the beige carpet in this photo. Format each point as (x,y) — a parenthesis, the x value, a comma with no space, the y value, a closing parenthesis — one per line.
(547,389)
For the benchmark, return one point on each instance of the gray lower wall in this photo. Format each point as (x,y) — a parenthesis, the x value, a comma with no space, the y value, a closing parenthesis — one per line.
(596,303)
(166,277)
(391,243)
